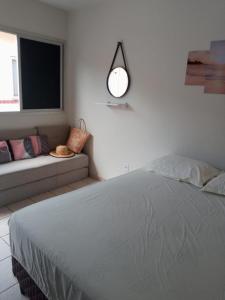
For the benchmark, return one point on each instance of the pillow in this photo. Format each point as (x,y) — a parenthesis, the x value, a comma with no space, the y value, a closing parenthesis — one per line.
(40,144)
(216,185)
(184,169)
(5,155)
(22,148)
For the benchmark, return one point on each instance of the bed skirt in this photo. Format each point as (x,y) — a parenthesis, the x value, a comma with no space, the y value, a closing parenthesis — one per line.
(27,286)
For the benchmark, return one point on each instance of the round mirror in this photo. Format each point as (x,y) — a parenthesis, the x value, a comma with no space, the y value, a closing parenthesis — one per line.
(118,82)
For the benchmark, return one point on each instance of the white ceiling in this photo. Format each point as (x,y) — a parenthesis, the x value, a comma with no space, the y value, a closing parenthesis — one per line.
(71,4)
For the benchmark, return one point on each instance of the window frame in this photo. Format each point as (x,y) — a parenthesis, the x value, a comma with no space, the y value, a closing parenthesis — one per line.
(44,39)
(15,76)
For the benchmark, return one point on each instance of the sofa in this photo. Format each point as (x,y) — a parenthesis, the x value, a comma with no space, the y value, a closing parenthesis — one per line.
(26,178)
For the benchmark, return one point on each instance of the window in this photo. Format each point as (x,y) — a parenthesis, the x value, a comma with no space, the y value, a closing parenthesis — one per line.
(30,73)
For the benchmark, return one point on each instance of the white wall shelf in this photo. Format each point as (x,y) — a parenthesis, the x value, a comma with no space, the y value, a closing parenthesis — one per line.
(111,103)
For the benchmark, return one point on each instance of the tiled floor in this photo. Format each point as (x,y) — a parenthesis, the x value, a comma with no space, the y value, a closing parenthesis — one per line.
(9,288)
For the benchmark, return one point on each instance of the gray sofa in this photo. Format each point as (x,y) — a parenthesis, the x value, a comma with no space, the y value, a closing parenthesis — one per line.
(26,178)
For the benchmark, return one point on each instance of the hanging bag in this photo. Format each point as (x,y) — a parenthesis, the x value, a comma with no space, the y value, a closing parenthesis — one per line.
(78,137)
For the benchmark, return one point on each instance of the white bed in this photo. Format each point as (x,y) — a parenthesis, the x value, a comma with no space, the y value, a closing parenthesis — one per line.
(136,237)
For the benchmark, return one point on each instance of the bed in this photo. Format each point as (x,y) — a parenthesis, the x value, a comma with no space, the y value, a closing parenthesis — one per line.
(139,236)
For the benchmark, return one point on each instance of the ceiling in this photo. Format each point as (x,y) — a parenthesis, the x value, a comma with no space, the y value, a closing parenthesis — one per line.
(71,4)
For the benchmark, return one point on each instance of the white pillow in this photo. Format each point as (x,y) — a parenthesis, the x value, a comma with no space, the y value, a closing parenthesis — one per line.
(184,169)
(216,185)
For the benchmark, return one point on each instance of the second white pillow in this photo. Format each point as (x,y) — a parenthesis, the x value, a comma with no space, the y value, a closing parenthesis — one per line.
(216,185)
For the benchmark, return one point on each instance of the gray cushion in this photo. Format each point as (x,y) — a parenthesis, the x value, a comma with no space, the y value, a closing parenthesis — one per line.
(57,135)
(16,133)
(24,171)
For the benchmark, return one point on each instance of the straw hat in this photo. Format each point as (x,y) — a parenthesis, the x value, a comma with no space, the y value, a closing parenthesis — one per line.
(62,151)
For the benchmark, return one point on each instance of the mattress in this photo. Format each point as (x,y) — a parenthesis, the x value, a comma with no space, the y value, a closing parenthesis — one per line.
(139,236)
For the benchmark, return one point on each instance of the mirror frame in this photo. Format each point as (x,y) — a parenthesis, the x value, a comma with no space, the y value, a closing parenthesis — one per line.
(119,47)
(128,85)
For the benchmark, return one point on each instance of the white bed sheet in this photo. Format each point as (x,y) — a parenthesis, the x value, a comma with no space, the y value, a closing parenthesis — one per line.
(136,237)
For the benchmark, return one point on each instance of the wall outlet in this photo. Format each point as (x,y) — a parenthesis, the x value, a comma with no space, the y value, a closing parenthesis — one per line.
(126,167)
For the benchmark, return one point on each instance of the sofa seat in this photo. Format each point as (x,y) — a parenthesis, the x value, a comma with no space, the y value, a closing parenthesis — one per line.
(21,172)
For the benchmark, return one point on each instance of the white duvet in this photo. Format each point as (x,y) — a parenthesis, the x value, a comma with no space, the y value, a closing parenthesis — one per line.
(136,237)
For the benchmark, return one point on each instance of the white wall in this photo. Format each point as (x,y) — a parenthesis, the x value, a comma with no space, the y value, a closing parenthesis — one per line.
(165,115)
(42,20)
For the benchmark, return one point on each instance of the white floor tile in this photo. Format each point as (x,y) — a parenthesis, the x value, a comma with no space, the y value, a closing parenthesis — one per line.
(4,212)
(7,278)
(12,293)
(41,197)
(61,190)
(4,250)
(4,228)
(82,183)
(6,239)
(20,204)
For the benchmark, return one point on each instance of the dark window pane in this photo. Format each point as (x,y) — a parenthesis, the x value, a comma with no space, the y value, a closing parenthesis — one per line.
(40,72)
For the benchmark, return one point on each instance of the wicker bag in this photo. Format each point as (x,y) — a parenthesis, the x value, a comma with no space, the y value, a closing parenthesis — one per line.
(78,137)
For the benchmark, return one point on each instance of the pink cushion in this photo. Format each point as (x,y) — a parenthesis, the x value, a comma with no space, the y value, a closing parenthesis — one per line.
(22,148)
(40,144)
(35,140)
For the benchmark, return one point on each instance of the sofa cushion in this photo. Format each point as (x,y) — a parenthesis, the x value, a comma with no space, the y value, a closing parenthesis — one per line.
(21,172)
(40,144)
(10,134)
(5,155)
(22,148)
(57,134)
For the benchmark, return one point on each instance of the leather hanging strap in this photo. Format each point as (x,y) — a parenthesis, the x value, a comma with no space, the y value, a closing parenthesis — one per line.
(119,46)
